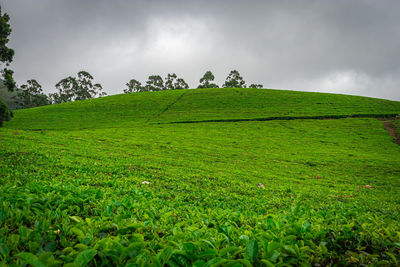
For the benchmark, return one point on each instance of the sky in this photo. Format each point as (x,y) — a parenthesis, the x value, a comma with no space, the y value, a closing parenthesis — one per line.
(341,46)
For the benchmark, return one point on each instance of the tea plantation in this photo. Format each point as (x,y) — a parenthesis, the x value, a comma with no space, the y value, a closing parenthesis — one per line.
(205,177)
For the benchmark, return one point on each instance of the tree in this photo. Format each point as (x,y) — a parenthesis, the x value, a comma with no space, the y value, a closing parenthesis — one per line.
(206,81)
(80,88)
(234,80)
(55,98)
(6,57)
(31,95)
(66,91)
(5,113)
(86,89)
(155,83)
(181,84)
(134,86)
(6,53)
(257,86)
(172,82)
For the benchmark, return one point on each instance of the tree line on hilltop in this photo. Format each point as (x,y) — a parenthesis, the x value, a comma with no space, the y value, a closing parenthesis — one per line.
(82,86)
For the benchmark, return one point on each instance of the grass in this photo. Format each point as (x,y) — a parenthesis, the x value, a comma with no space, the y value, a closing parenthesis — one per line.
(124,190)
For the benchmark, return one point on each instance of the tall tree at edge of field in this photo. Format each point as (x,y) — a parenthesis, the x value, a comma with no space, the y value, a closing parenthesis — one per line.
(172,82)
(207,81)
(234,80)
(80,88)
(134,86)
(31,95)
(155,83)
(6,57)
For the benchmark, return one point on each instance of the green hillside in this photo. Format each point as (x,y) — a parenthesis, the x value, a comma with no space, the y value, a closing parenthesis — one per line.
(197,105)
(113,182)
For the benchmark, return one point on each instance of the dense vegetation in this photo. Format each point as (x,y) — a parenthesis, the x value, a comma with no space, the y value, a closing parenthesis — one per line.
(6,57)
(109,181)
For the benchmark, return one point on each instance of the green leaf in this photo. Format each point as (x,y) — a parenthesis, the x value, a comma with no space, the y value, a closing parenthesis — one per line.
(273,246)
(268,263)
(305,227)
(215,261)
(81,246)
(228,250)
(180,259)
(275,256)
(252,250)
(199,263)
(245,262)
(30,259)
(4,250)
(85,257)
(208,253)
(165,255)
(76,219)
(131,228)
(77,232)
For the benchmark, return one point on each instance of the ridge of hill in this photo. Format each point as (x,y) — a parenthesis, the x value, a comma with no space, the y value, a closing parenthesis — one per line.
(222,104)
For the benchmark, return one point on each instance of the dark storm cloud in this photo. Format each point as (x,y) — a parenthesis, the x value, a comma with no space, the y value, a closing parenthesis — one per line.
(332,46)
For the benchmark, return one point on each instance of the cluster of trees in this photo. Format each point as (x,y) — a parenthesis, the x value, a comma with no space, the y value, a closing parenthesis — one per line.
(156,83)
(172,82)
(76,88)
(83,87)
(234,80)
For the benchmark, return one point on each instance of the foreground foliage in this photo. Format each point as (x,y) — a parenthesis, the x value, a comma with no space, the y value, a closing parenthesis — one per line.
(188,194)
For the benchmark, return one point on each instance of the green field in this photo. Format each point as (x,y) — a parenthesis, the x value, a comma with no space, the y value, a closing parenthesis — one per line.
(116,181)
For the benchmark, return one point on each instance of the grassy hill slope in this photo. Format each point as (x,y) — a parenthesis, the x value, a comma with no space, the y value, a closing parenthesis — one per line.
(196,105)
(117,188)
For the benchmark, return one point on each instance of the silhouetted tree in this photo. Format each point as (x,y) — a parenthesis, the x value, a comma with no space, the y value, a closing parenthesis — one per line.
(155,83)
(234,80)
(181,84)
(172,82)
(80,88)
(31,95)
(206,81)
(134,86)
(257,86)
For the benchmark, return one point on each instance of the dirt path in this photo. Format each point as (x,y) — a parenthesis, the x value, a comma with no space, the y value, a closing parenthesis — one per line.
(392,131)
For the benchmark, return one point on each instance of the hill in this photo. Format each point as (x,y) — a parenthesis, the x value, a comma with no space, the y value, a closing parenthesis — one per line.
(117,181)
(198,105)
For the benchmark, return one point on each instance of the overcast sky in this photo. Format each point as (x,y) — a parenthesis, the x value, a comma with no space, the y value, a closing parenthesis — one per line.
(350,47)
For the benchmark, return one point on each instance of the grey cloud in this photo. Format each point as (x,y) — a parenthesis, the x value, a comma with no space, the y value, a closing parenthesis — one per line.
(331,46)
